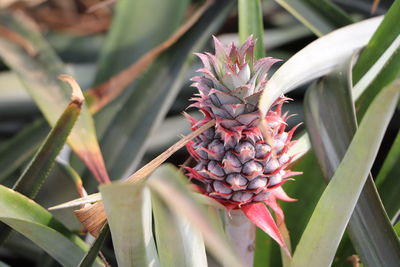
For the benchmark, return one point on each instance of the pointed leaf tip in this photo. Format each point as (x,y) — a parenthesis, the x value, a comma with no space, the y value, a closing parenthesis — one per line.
(77,95)
(259,215)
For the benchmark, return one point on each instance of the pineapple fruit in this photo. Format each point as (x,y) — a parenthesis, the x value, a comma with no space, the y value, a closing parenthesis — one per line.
(236,164)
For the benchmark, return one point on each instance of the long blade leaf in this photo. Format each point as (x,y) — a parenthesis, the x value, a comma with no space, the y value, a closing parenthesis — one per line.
(37,224)
(341,45)
(331,122)
(251,23)
(91,255)
(128,210)
(388,31)
(388,179)
(31,180)
(188,248)
(320,240)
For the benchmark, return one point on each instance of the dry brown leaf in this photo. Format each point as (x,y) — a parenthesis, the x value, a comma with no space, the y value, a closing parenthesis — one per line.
(374,6)
(18,39)
(110,89)
(93,216)
(100,5)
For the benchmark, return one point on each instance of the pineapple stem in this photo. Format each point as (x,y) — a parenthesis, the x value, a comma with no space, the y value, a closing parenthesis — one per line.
(242,234)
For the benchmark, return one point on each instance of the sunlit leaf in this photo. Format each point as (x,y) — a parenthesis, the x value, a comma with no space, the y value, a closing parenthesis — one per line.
(188,246)
(128,209)
(171,186)
(341,45)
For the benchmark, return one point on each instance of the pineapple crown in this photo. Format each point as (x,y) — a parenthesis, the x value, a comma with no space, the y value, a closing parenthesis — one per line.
(231,76)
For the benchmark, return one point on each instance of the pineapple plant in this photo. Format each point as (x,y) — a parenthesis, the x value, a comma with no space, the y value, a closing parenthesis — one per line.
(236,164)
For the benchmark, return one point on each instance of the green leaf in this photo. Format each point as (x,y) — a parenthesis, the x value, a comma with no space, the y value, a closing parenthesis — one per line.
(321,237)
(34,175)
(94,250)
(397,229)
(31,180)
(21,147)
(188,245)
(320,16)
(39,74)
(385,35)
(341,44)
(251,23)
(171,186)
(125,143)
(379,63)
(37,224)
(125,45)
(128,209)
(388,179)
(331,122)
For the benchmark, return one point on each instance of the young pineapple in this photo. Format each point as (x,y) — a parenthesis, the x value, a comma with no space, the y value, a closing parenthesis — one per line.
(237,166)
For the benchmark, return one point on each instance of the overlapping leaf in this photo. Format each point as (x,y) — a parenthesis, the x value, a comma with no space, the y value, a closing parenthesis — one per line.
(128,209)
(331,123)
(171,186)
(33,221)
(327,224)
(188,246)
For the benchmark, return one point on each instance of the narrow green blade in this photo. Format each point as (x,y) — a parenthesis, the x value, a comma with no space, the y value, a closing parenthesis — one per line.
(91,255)
(188,248)
(386,34)
(37,224)
(171,186)
(321,238)
(388,179)
(39,74)
(331,122)
(128,209)
(320,16)
(251,23)
(34,175)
